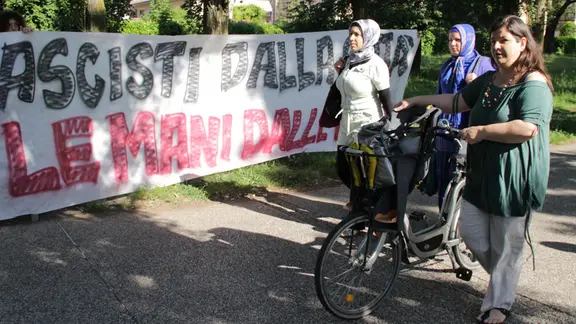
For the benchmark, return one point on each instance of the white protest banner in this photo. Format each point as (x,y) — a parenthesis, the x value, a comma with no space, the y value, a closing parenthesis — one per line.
(85,116)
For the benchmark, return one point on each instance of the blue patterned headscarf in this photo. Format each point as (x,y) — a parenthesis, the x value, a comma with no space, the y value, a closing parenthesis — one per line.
(454,69)
(370,35)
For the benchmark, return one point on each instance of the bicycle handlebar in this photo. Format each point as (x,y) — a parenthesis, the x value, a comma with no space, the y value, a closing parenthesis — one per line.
(447,131)
(443,125)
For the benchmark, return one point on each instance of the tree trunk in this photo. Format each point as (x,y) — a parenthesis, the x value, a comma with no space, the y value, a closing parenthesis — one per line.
(417,60)
(359,9)
(539,23)
(96,21)
(549,39)
(215,20)
(2,4)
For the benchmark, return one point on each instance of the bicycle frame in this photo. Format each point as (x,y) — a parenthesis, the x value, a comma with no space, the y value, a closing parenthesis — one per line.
(433,239)
(442,229)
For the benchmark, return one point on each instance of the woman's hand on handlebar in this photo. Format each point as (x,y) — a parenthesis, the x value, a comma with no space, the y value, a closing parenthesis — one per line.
(404,104)
(472,135)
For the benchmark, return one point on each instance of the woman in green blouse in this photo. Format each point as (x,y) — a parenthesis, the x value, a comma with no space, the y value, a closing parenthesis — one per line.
(508,157)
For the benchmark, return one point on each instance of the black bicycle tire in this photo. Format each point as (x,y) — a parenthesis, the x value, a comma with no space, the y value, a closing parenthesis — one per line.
(330,239)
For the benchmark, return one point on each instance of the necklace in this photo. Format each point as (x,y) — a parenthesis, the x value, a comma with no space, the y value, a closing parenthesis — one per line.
(486,99)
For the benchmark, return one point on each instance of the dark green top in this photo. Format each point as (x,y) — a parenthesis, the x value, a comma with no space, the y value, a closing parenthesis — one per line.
(509,179)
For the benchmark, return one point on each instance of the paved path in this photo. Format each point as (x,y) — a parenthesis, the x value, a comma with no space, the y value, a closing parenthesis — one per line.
(252,261)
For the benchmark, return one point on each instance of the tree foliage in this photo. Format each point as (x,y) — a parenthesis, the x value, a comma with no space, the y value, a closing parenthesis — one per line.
(249,12)
(434,17)
(174,23)
(160,10)
(310,15)
(39,14)
(139,27)
(194,14)
(71,15)
(116,10)
(431,17)
(568,29)
(67,15)
(556,12)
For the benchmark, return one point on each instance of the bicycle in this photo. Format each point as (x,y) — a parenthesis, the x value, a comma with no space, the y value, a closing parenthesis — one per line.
(390,244)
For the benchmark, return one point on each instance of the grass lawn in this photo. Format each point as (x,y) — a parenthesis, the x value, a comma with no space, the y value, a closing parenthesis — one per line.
(562,69)
(316,169)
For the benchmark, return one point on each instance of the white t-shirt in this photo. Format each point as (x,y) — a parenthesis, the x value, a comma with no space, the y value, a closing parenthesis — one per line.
(359,88)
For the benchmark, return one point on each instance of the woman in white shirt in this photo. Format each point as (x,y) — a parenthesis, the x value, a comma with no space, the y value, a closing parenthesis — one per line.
(364,84)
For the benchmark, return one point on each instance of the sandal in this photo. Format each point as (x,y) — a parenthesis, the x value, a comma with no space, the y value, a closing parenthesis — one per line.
(482,319)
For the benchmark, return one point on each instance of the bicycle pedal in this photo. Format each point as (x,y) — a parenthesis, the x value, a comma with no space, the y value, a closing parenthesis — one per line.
(464,274)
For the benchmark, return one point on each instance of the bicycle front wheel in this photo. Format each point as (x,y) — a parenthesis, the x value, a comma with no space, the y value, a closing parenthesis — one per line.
(355,272)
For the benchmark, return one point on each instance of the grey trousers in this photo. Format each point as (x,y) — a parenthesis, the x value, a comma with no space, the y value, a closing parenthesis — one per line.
(497,243)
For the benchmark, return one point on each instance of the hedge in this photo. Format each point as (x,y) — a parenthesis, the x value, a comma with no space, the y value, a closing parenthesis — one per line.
(247,28)
(568,29)
(566,45)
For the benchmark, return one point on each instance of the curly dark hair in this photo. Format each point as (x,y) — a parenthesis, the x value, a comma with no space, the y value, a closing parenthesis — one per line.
(5,18)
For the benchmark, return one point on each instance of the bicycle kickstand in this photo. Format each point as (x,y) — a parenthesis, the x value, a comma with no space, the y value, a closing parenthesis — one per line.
(461,272)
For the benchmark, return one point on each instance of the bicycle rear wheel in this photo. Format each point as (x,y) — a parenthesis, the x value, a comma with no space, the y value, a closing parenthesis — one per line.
(352,280)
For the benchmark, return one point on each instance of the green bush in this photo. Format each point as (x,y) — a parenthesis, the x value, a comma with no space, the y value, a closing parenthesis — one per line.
(170,28)
(282,24)
(244,28)
(440,39)
(427,40)
(271,28)
(173,24)
(566,45)
(139,27)
(483,42)
(248,28)
(189,26)
(568,29)
(251,13)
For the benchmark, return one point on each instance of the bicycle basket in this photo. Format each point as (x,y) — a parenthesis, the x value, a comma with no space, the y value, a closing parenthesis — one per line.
(413,138)
(378,169)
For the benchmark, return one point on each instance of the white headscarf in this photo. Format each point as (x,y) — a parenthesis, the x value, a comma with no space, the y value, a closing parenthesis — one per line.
(370,35)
